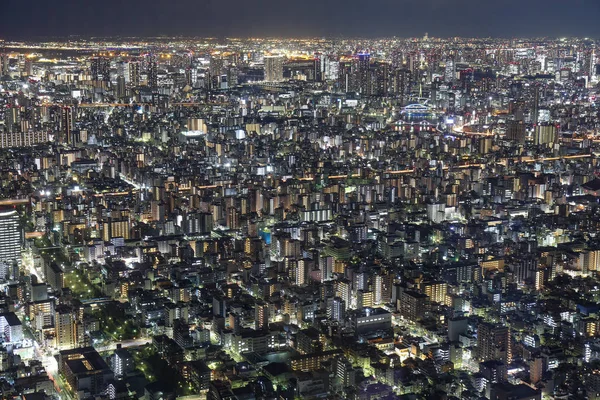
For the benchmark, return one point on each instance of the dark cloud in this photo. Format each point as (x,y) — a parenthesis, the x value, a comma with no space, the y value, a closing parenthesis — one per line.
(507,18)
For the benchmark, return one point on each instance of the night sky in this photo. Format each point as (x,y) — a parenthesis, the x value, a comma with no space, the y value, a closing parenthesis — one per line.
(22,19)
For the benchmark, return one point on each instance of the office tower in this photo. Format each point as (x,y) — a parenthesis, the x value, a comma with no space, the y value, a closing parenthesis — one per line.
(11,236)
(493,343)
(273,68)
(134,73)
(363,73)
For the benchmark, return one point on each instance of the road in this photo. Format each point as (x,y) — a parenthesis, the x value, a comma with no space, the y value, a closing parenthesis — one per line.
(124,344)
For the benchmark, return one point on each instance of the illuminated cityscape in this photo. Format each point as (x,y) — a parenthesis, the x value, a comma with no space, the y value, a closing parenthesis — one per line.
(317,218)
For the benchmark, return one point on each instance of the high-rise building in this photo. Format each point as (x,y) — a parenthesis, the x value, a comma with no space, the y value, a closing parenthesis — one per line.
(536,105)
(11,236)
(4,64)
(536,369)
(68,329)
(515,131)
(66,124)
(100,69)
(134,73)
(122,362)
(364,298)
(273,68)
(436,291)
(336,309)
(363,73)
(27,69)
(261,316)
(544,134)
(346,77)
(450,72)
(493,343)
(380,85)
(401,84)
(121,91)
(152,72)
(412,305)
(12,119)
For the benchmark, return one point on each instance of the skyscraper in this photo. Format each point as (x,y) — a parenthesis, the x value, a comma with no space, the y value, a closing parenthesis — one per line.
(536,105)
(120,87)
(273,68)
(380,74)
(401,84)
(66,124)
(11,236)
(134,73)
(4,63)
(100,69)
(152,72)
(363,73)
(346,77)
(450,73)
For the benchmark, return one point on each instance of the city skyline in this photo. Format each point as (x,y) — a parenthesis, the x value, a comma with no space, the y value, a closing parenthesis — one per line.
(382,18)
(356,219)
